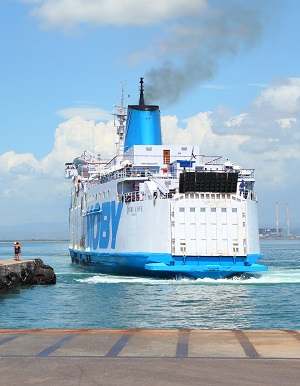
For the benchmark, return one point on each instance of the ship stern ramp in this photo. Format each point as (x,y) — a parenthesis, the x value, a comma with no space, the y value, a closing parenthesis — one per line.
(210,238)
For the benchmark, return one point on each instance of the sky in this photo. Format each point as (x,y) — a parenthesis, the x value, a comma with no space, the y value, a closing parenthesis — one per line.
(225,74)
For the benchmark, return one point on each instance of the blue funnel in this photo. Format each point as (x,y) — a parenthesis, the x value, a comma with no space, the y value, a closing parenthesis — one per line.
(143,124)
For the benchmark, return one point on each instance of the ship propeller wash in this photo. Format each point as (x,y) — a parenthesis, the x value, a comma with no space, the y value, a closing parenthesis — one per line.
(160,210)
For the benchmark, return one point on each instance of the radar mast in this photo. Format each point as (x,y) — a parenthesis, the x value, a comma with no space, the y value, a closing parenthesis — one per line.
(121,113)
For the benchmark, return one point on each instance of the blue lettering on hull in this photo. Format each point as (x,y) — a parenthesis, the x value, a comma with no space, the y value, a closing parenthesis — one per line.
(102,225)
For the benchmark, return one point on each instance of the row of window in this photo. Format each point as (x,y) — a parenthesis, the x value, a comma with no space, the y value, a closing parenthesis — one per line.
(149,148)
(234,210)
(99,196)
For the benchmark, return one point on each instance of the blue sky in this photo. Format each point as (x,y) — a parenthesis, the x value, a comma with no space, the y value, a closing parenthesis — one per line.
(225,74)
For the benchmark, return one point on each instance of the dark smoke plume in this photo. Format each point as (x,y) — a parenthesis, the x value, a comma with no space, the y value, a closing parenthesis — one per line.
(200,45)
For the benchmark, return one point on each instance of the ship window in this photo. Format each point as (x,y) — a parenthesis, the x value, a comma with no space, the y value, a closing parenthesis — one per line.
(223,210)
(182,246)
(108,193)
(103,195)
(192,209)
(184,148)
(234,210)
(213,209)
(202,209)
(148,148)
(181,209)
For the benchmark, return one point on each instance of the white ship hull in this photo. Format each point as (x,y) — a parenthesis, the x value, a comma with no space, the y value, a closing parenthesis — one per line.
(163,211)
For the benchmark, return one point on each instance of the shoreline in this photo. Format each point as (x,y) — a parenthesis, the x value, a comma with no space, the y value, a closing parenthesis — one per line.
(35,241)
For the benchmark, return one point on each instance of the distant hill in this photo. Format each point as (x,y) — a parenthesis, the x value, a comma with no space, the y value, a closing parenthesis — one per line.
(35,231)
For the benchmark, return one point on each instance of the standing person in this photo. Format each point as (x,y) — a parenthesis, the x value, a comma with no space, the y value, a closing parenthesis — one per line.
(17,248)
(242,188)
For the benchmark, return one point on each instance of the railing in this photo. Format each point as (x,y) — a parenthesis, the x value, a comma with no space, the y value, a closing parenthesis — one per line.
(131,197)
(118,174)
(250,195)
(209,197)
(144,173)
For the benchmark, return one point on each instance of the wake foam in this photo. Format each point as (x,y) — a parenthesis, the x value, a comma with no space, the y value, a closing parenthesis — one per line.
(271,277)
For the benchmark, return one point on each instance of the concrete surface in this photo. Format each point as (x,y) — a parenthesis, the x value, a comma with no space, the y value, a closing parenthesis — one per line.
(150,357)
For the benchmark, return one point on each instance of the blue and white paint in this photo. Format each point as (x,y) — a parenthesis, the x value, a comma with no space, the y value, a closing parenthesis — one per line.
(162,210)
(102,225)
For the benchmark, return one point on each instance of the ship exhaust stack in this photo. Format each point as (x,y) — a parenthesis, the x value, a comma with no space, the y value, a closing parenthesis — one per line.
(142,100)
(143,123)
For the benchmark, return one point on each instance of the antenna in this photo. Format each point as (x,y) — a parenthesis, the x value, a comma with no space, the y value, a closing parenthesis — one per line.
(120,113)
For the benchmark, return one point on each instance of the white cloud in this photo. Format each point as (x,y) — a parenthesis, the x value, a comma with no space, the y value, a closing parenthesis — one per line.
(281,98)
(10,160)
(31,188)
(66,14)
(274,114)
(236,121)
(287,122)
(76,135)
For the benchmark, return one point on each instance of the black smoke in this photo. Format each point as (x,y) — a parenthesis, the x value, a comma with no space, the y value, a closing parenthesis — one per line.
(197,47)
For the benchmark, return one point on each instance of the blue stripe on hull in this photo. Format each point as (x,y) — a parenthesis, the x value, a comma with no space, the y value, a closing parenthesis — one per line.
(164,265)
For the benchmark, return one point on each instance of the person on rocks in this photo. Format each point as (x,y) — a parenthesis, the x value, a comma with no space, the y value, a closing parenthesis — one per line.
(17,248)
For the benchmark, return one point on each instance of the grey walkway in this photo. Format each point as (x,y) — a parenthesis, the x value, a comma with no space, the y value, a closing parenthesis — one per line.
(147,357)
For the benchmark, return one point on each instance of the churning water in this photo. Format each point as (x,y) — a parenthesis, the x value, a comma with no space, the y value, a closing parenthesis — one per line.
(85,300)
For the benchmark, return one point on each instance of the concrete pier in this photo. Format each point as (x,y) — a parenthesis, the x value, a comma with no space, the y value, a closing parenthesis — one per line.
(14,273)
(7,266)
(147,357)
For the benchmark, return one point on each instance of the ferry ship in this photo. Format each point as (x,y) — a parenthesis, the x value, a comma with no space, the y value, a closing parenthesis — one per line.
(161,210)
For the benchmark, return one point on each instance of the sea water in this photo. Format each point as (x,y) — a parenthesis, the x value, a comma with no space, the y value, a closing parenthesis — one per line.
(88,300)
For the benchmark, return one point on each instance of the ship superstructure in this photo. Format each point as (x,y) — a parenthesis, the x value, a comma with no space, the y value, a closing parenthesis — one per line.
(161,210)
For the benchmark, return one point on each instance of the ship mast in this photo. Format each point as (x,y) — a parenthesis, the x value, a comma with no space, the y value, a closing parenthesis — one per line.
(120,113)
